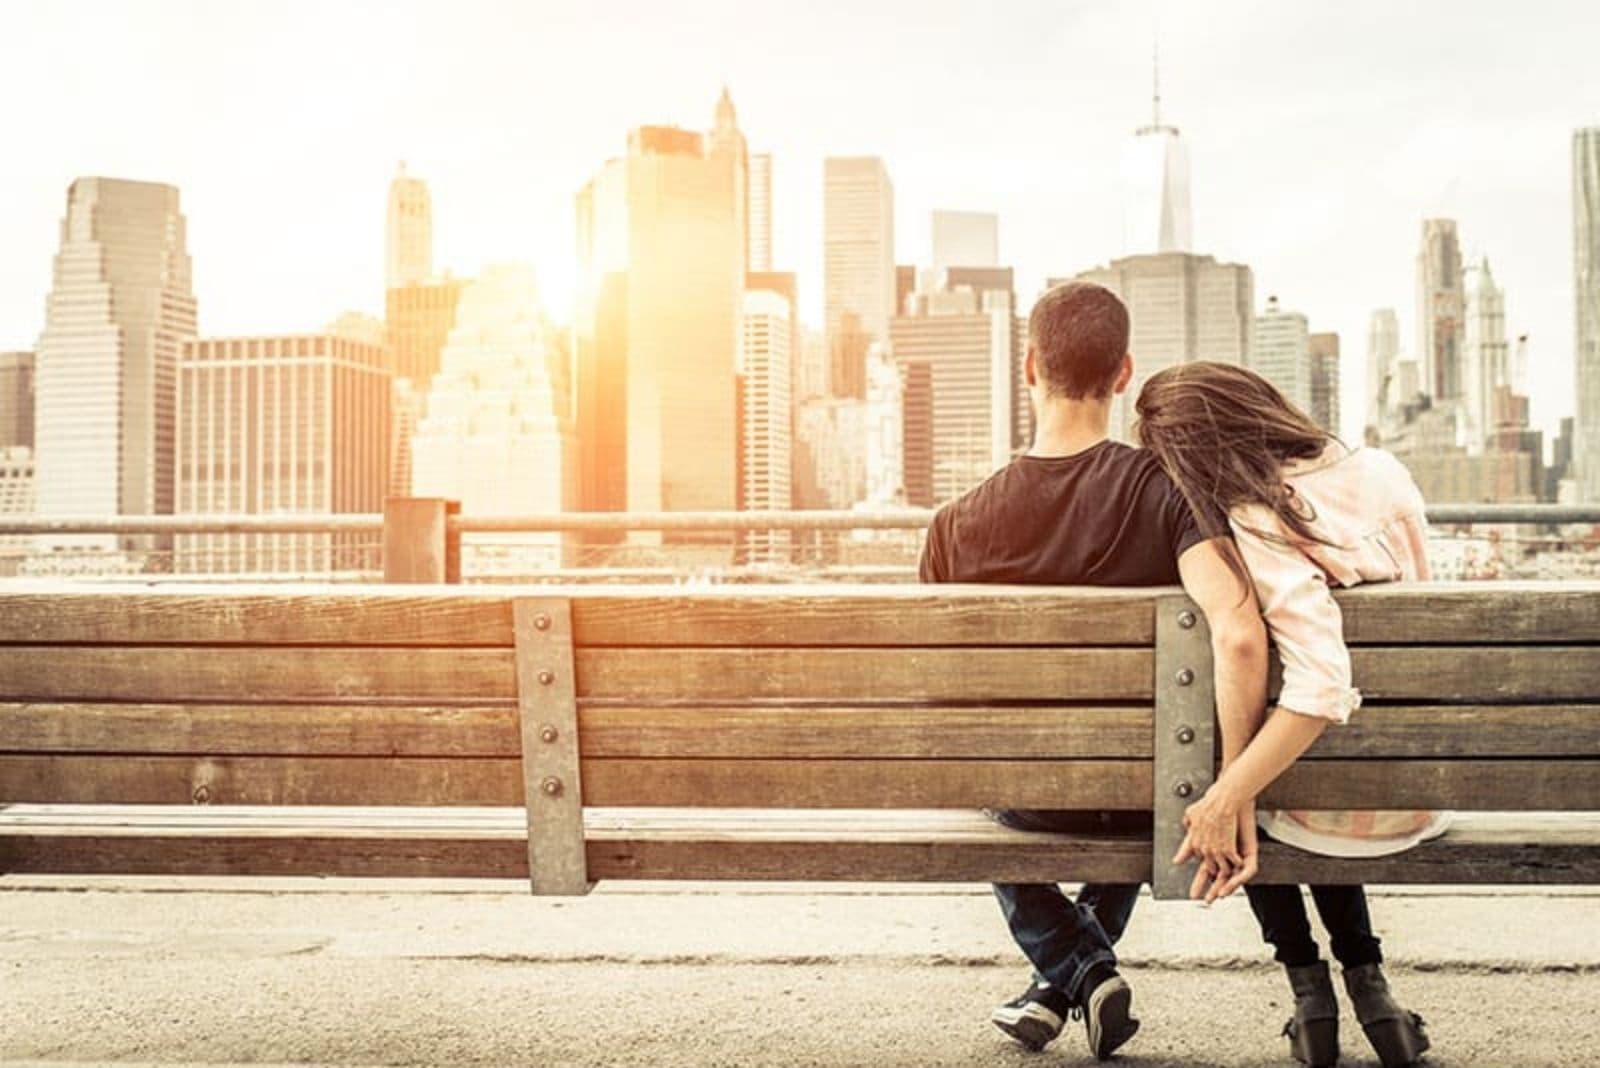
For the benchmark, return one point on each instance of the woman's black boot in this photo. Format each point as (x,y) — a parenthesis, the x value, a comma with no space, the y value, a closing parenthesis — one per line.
(1313,1032)
(1396,1034)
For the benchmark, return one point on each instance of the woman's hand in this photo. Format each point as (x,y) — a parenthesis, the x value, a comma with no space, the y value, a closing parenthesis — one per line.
(1212,885)
(1221,834)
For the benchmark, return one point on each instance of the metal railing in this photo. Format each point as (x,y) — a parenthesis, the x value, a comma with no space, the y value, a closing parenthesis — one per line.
(422,540)
(626,522)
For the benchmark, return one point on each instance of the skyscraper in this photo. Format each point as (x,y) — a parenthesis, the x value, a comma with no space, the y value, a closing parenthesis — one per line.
(858,265)
(999,280)
(1280,352)
(916,434)
(16,499)
(1486,357)
(119,311)
(1324,349)
(1440,303)
(661,272)
(726,145)
(1586,301)
(885,430)
(766,414)
(409,249)
(1383,367)
(965,239)
(16,399)
(418,317)
(964,337)
(1182,307)
(496,434)
(278,425)
(1156,186)
(759,224)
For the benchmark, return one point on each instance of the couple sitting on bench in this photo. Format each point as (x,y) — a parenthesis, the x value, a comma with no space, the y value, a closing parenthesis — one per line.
(1258,512)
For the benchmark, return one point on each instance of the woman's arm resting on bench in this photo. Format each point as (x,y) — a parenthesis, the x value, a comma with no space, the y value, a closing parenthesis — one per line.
(1226,843)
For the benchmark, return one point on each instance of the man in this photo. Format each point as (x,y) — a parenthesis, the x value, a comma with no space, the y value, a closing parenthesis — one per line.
(1080,509)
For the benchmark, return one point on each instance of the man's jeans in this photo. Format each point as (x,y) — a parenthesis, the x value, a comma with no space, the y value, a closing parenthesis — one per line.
(1063,938)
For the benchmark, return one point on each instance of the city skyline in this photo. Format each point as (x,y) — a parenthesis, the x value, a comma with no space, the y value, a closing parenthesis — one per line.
(1411,139)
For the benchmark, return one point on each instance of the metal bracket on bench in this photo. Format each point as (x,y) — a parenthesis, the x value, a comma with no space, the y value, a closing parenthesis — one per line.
(547,707)
(1185,734)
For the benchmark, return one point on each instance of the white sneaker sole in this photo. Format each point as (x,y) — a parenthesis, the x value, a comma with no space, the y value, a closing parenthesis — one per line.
(1108,1019)
(1034,1026)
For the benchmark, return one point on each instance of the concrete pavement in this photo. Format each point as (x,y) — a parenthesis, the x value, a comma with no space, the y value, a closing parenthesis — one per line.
(317,972)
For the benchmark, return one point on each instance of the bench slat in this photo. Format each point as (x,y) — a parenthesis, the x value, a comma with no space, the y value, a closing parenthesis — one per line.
(300,780)
(796,731)
(840,731)
(924,674)
(907,615)
(197,673)
(1466,674)
(736,616)
(850,846)
(1445,613)
(1463,731)
(1477,673)
(878,847)
(1476,785)
(243,729)
(1472,613)
(303,780)
(182,673)
(201,615)
(1108,784)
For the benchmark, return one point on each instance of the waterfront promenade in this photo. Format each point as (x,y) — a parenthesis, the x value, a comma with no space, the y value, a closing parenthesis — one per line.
(331,972)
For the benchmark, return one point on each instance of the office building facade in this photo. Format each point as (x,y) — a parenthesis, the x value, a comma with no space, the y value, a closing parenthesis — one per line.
(120,309)
(1182,308)
(1280,352)
(408,247)
(858,265)
(661,274)
(281,425)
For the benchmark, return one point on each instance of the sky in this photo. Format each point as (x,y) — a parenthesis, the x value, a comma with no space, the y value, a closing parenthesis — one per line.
(1320,136)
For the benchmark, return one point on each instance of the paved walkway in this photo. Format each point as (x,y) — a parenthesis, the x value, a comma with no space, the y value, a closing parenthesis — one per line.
(139,971)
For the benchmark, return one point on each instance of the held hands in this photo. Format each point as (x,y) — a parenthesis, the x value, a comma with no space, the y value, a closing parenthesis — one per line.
(1222,836)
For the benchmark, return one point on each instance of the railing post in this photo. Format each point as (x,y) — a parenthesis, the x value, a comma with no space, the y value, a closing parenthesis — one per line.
(418,544)
(547,707)
(1185,734)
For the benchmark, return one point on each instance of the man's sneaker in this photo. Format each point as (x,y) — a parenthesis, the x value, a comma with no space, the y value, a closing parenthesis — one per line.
(1106,1016)
(1035,1018)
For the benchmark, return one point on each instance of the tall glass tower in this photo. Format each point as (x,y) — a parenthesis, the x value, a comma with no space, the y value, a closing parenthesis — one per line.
(1155,214)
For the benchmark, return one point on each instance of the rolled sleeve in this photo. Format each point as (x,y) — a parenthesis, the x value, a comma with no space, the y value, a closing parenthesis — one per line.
(1304,620)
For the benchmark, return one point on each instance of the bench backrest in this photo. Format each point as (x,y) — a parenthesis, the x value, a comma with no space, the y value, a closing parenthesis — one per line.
(1477,697)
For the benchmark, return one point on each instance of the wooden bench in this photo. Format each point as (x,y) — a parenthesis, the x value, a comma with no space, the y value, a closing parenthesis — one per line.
(575,734)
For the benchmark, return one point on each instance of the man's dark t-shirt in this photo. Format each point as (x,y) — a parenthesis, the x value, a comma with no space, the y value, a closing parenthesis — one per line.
(1107,516)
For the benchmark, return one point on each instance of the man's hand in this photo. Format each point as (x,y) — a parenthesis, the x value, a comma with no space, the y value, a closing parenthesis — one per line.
(1222,836)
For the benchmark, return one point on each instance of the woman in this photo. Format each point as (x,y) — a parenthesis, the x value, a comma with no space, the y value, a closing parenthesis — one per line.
(1306,513)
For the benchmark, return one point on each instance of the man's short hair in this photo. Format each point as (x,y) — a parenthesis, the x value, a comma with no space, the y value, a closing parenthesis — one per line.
(1079,335)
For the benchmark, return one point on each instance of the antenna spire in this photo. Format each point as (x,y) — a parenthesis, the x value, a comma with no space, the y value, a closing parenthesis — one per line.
(1155,64)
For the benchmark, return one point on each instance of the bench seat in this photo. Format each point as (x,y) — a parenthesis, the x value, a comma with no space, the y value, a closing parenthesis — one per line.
(709,844)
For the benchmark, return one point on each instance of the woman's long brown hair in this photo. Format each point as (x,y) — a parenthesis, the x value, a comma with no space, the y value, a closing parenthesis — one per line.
(1223,434)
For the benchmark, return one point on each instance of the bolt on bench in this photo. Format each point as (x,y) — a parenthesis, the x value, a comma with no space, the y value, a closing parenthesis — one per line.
(568,735)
